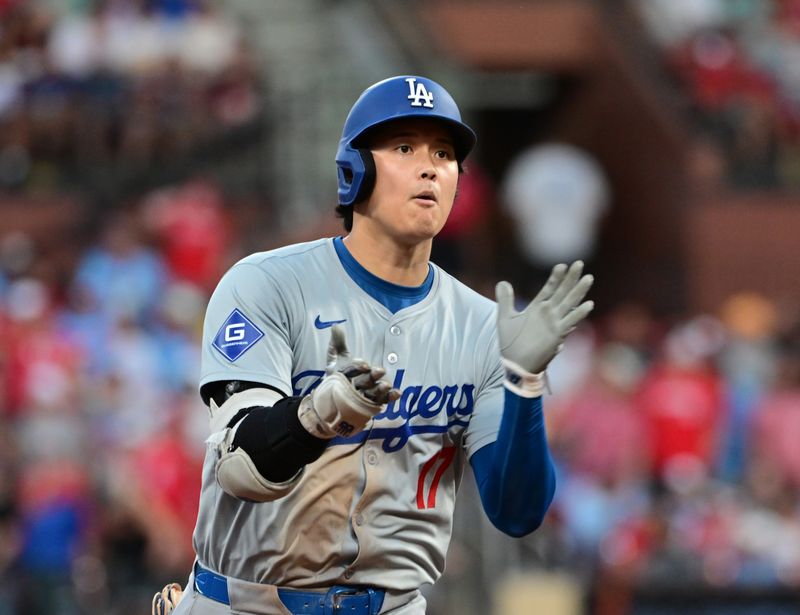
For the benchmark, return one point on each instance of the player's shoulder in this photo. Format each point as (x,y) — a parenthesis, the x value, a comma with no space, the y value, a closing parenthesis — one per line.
(296,254)
(285,267)
(463,295)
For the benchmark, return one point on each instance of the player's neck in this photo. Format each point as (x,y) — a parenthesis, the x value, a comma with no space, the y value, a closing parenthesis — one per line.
(405,265)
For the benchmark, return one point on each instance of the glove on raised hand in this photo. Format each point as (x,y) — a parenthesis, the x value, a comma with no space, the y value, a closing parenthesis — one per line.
(350,394)
(531,338)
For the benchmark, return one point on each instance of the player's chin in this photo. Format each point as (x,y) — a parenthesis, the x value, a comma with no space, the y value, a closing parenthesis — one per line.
(428,221)
(426,228)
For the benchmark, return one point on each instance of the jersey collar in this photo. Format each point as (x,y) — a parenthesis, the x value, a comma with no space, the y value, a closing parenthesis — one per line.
(392,296)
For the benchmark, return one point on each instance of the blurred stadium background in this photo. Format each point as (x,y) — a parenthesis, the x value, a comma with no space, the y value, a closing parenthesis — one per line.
(145,145)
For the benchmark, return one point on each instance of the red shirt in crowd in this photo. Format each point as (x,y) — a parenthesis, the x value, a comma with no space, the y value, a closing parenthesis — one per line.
(682,408)
(602,434)
(192,227)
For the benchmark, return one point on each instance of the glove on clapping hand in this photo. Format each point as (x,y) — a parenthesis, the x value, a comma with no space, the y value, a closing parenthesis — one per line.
(531,338)
(350,394)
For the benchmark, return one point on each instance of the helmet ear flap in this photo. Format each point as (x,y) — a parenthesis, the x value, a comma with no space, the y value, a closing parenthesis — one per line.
(368,180)
(356,175)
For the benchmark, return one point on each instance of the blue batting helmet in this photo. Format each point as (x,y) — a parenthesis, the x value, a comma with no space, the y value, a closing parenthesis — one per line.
(385,101)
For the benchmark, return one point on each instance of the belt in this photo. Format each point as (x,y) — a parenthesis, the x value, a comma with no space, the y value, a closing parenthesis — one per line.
(337,599)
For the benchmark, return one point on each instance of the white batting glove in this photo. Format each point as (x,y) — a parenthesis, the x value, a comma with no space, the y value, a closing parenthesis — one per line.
(530,339)
(350,394)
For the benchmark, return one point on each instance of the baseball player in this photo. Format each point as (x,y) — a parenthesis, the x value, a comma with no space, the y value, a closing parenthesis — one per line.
(350,381)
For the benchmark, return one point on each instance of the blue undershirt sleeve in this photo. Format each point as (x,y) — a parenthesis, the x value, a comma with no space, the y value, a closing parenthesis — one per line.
(515,474)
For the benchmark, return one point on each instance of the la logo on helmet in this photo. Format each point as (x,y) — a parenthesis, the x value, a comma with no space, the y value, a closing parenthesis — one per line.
(417,93)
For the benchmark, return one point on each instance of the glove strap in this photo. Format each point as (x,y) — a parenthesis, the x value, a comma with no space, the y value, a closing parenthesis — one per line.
(311,420)
(521,382)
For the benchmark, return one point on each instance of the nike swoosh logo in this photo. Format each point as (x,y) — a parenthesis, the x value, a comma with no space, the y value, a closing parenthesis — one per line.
(324,324)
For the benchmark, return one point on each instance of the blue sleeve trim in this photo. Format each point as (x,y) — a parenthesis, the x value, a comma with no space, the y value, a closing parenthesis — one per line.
(515,474)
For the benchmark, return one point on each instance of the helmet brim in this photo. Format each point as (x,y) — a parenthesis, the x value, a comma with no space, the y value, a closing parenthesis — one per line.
(464,138)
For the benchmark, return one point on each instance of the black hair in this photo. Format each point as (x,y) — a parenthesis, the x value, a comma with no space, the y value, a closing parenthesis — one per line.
(346,214)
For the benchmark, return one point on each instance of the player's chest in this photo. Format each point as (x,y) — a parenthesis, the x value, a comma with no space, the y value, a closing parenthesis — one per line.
(423,357)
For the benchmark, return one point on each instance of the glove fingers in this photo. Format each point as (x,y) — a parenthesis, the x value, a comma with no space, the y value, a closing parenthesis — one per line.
(356,369)
(568,282)
(504,293)
(575,296)
(367,375)
(571,320)
(174,593)
(337,347)
(377,392)
(158,607)
(553,282)
(381,393)
(165,601)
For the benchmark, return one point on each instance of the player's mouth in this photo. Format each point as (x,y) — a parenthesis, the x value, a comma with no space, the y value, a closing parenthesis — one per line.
(426,197)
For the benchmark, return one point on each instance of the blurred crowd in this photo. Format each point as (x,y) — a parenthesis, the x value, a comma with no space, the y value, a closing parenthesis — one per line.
(738,62)
(116,84)
(101,424)
(677,451)
(675,438)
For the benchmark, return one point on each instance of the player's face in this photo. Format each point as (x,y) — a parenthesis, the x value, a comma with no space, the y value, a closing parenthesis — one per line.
(416,178)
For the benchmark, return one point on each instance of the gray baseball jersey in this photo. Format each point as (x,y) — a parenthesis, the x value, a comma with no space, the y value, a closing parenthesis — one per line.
(376,508)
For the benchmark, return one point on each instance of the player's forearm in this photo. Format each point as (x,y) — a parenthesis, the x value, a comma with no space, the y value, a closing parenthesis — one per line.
(276,441)
(260,449)
(264,442)
(515,474)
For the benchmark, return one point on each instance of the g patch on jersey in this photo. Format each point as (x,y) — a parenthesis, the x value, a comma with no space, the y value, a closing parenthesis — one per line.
(236,335)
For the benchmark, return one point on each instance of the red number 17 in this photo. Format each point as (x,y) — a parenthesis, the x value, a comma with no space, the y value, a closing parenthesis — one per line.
(445,458)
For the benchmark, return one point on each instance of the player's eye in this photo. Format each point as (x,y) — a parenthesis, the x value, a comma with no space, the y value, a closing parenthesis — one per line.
(444,154)
(404,148)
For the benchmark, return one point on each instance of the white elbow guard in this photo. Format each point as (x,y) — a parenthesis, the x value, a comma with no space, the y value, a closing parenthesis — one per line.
(237,475)
(235,471)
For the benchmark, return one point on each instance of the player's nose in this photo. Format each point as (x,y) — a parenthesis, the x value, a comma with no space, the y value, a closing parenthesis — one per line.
(427,171)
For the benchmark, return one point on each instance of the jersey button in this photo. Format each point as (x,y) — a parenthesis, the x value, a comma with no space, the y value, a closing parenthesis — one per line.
(394,330)
(392,357)
(372,458)
(359,519)
(348,574)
